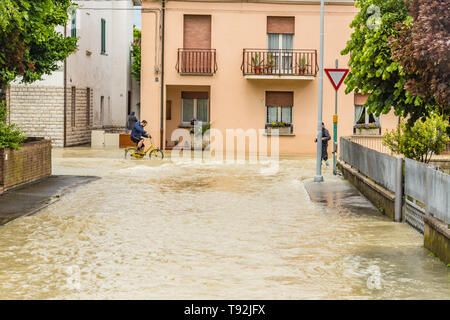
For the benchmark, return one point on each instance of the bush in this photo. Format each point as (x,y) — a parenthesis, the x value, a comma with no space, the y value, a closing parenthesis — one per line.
(419,141)
(10,135)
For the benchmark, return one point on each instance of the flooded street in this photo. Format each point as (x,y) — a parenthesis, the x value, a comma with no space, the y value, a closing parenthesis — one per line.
(161,230)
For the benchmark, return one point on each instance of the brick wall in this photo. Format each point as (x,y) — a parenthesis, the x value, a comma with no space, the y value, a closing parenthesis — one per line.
(32,162)
(38,111)
(80,133)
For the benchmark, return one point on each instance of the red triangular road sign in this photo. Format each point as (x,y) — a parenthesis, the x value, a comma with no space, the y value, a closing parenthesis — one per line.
(336,76)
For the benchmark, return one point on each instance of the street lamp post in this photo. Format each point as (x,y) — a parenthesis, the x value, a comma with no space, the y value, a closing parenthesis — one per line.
(318,177)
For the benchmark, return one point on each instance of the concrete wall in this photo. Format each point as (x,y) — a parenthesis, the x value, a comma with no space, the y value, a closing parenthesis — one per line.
(237,102)
(437,238)
(382,198)
(31,163)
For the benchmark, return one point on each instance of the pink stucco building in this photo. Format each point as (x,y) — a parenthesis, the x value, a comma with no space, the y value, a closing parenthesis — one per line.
(246,64)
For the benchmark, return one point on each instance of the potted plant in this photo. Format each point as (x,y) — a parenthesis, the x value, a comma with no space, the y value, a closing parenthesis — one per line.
(369,129)
(256,64)
(302,65)
(282,127)
(270,63)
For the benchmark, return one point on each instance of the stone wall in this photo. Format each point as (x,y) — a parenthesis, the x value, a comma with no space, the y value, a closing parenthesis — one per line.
(32,162)
(38,111)
(79,132)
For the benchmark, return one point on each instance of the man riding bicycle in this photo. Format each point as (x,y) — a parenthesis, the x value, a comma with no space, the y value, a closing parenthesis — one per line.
(138,134)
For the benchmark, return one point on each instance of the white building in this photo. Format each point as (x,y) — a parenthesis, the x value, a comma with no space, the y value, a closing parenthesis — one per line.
(93,88)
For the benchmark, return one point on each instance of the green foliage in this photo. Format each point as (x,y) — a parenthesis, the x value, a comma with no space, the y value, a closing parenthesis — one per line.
(136,53)
(10,135)
(373,69)
(30,46)
(422,49)
(419,141)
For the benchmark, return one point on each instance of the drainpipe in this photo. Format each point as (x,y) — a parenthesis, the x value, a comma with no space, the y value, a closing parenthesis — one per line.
(65,94)
(162,72)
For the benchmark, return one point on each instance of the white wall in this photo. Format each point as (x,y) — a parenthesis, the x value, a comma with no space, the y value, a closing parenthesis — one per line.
(107,74)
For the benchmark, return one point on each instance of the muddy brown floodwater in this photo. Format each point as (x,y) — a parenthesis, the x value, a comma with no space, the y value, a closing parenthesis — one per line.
(162,230)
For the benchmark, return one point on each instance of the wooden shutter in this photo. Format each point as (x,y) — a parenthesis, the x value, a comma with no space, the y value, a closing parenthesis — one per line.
(73,106)
(279,98)
(284,25)
(74,24)
(103,36)
(197,32)
(88,106)
(360,99)
(194,95)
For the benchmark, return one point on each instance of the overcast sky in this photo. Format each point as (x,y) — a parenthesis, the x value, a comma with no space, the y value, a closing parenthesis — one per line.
(137,18)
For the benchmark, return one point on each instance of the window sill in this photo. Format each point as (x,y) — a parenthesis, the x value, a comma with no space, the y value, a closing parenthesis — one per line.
(281,134)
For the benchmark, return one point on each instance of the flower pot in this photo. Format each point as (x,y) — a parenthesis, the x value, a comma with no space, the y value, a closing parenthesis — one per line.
(281,130)
(367,131)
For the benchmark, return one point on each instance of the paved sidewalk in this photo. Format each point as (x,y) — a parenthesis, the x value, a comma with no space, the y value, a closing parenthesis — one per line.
(336,194)
(31,198)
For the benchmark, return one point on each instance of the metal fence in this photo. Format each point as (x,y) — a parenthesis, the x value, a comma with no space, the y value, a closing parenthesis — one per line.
(378,166)
(427,192)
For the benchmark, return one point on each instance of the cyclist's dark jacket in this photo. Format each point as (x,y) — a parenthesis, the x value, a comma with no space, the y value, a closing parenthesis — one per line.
(137,132)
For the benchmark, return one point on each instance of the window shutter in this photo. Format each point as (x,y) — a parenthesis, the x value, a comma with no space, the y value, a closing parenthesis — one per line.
(279,98)
(284,25)
(103,36)
(194,95)
(74,24)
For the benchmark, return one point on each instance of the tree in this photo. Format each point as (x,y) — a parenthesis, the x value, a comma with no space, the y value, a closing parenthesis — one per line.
(422,49)
(372,68)
(136,53)
(30,45)
(419,141)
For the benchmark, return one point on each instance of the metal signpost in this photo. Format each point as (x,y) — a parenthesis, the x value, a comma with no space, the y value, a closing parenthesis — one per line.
(318,177)
(336,77)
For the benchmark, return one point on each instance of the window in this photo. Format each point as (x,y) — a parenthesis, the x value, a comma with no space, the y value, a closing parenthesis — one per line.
(88,106)
(279,106)
(279,114)
(74,24)
(280,42)
(363,117)
(73,106)
(103,44)
(195,105)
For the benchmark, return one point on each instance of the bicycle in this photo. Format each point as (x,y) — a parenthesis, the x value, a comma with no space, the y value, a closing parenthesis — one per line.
(154,153)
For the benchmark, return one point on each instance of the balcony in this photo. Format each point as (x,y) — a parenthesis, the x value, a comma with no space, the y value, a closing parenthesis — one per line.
(279,64)
(196,62)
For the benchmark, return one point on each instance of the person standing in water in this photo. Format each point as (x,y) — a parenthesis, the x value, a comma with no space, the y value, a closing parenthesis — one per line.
(325,138)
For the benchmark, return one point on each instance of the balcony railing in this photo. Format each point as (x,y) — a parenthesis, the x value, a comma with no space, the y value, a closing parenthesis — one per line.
(279,62)
(196,61)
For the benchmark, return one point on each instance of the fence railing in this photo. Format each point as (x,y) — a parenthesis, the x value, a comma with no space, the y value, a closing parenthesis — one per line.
(376,165)
(426,193)
(426,189)
(279,62)
(196,61)
(371,142)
